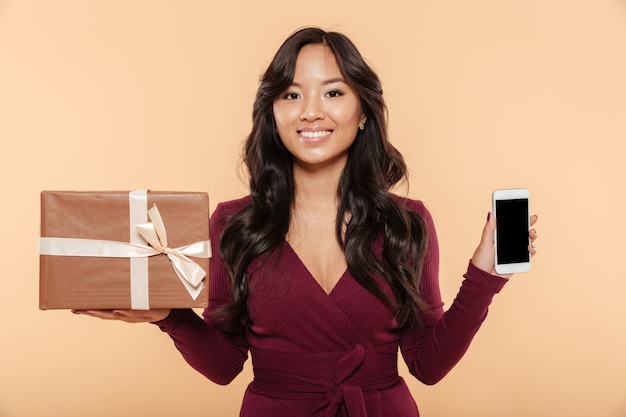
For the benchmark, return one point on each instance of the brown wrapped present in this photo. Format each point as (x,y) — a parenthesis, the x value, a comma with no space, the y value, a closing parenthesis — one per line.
(121,250)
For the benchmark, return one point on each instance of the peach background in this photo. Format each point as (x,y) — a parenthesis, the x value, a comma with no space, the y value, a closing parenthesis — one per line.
(111,94)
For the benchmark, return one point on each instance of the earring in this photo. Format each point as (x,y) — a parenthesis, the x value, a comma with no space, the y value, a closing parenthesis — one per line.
(362,126)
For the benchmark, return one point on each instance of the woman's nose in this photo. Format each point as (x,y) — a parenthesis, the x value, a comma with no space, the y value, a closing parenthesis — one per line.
(312,110)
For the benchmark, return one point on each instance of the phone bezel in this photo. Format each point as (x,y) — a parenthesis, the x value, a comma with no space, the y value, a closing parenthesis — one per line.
(510,194)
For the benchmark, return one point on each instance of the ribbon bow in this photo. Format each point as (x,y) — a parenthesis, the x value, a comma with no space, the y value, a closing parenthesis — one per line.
(154,233)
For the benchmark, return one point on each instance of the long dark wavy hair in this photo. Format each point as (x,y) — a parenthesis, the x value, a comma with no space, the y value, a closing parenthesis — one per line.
(373,167)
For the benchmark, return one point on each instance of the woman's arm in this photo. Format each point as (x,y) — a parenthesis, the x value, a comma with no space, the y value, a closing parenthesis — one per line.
(432,350)
(217,355)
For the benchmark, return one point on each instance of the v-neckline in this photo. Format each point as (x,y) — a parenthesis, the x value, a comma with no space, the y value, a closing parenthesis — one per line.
(311,276)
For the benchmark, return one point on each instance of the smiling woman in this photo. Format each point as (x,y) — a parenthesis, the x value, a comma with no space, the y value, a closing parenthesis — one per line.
(322,273)
(318,116)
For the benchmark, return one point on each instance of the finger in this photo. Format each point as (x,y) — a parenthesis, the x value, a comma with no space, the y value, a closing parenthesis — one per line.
(532,248)
(533,219)
(532,234)
(490,226)
(100,314)
(483,255)
(110,315)
(133,316)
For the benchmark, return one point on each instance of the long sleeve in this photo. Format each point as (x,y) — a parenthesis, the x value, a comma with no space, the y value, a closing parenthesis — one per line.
(213,353)
(433,349)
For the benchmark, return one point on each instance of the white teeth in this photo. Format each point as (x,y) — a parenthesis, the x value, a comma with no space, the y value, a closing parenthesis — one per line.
(316,134)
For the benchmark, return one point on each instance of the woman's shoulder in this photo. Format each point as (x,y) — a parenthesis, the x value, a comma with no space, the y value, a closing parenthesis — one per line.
(230,207)
(420,208)
(417,206)
(223,212)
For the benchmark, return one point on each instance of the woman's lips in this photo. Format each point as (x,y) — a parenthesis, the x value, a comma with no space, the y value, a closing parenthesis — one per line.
(314,135)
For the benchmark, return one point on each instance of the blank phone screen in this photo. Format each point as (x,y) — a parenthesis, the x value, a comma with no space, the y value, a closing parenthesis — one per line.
(512,231)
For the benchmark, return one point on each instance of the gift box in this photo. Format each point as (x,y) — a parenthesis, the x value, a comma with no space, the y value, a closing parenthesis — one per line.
(124,250)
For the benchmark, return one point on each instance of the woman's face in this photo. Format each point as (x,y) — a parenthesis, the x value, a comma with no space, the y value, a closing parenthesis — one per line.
(318,116)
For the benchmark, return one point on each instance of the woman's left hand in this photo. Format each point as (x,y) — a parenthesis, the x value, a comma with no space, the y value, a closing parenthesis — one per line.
(485,254)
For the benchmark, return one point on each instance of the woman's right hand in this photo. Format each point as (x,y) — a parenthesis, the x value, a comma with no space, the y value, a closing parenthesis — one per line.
(485,253)
(128,316)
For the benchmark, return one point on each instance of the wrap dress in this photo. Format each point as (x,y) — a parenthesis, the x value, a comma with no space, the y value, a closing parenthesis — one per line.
(330,355)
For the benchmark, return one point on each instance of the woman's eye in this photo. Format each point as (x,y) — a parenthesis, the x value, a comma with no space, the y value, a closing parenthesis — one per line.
(292,96)
(334,93)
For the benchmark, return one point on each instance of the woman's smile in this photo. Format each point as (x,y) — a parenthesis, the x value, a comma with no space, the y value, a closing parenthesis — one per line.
(314,136)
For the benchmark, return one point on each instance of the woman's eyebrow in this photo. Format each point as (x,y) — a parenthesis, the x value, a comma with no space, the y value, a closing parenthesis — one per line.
(325,82)
(334,80)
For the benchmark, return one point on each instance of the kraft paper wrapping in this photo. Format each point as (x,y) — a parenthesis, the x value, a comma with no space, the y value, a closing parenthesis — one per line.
(86,282)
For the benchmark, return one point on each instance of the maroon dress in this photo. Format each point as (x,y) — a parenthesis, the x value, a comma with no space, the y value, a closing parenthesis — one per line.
(319,354)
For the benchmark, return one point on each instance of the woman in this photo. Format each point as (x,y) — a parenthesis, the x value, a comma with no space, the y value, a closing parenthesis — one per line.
(322,272)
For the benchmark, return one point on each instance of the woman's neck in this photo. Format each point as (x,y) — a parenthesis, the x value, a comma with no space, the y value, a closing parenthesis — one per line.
(316,193)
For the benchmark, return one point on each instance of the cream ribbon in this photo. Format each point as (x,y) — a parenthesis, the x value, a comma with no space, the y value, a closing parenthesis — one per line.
(154,234)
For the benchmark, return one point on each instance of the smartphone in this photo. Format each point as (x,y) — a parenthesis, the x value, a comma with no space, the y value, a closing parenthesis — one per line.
(511,209)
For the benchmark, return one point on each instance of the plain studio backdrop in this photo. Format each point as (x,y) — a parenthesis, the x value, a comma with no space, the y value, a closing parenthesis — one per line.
(121,95)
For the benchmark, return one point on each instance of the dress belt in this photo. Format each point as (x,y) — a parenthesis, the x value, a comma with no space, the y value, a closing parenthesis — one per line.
(333,378)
